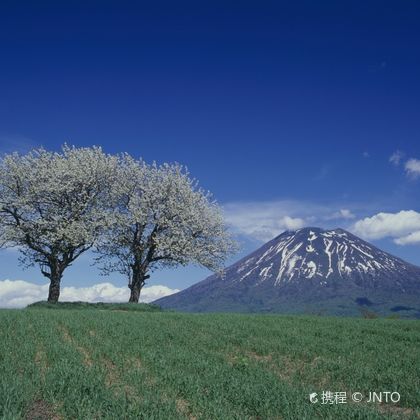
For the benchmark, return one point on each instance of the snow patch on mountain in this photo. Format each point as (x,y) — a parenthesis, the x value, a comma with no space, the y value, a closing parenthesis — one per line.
(311,253)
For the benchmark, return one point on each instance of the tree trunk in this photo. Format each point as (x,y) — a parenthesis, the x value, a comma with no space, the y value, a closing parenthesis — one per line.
(135,293)
(55,280)
(54,291)
(137,283)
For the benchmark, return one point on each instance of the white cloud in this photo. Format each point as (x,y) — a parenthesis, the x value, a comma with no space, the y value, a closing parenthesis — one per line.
(263,220)
(412,167)
(411,239)
(342,214)
(403,227)
(396,157)
(291,223)
(267,219)
(19,293)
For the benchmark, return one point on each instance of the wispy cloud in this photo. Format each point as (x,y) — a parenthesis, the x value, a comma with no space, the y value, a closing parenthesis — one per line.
(19,293)
(412,167)
(396,157)
(344,214)
(265,220)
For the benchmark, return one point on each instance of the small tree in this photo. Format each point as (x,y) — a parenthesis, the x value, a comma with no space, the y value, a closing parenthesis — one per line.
(160,219)
(51,206)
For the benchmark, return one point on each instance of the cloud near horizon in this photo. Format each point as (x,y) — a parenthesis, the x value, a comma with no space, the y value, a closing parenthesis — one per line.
(262,221)
(19,293)
(265,220)
(403,227)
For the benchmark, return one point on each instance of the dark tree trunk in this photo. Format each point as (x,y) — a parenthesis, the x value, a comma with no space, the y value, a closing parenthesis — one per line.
(55,280)
(137,283)
(54,291)
(135,293)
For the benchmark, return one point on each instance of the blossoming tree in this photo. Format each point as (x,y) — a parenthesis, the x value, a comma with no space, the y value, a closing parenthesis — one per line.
(160,218)
(52,206)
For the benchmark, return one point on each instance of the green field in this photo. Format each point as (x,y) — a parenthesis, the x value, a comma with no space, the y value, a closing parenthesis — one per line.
(107,364)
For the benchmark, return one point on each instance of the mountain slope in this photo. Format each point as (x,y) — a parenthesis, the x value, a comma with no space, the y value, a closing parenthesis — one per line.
(308,270)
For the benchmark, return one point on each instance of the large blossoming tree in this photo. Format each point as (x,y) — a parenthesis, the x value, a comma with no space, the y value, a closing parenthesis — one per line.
(161,218)
(52,206)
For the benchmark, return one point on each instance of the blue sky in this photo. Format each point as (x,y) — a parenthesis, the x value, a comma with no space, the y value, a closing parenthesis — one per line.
(281,109)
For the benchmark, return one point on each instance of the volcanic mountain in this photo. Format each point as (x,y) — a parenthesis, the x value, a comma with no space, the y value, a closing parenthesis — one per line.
(309,270)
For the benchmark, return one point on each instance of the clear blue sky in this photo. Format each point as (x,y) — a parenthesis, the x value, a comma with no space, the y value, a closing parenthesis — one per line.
(265,102)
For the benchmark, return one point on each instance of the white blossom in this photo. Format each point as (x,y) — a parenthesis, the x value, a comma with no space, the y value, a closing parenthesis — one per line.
(161,218)
(56,205)
(51,205)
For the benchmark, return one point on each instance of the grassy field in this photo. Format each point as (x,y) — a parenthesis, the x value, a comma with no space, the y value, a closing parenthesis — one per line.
(107,364)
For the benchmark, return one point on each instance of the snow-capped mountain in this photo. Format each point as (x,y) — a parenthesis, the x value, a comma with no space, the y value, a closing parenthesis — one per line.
(325,257)
(303,268)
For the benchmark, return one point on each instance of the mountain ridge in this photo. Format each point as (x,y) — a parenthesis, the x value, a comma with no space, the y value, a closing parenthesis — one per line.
(297,270)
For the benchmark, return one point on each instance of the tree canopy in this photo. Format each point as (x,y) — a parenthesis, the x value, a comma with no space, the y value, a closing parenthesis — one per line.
(54,206)
(161,218)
